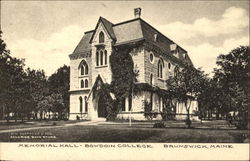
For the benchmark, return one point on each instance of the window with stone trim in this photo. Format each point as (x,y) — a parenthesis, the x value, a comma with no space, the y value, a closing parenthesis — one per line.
(105,57)
(169,66)
(82,83)
(84,69)
(151,57)
(101,57)
(86,83)
(160,68)
(101,37)
(151,79)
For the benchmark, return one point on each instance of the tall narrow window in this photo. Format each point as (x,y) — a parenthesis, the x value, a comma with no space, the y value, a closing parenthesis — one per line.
(169,65)
(86,83)
(82,83)
(97,59)
(151,79)
(86,104)
(101,37)
(83,67)
(105,57)
(160,68)
(101,57)
(86,69)
(82,70)
(80,103)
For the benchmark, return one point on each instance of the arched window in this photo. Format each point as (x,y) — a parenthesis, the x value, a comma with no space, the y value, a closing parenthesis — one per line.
(86,83)
(105,57)
(101,37)
(160,68)
(169,65)
(82,83)
(151,79)
(84,68)
(80,102)
(86,104)
(97,59)
(101,57)
(151,57)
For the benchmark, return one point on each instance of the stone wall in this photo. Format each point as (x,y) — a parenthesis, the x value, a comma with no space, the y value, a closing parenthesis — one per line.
(138,55)
(105,70)
(75,104)
(75,77)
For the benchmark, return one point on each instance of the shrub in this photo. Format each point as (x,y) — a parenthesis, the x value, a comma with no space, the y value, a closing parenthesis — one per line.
(164,116)
(188,122)
(159,125)
(148,110)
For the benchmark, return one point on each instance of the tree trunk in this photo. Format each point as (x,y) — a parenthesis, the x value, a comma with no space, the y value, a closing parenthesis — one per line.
(8,114)
(188,113)
(189,125)
(217,114)
(15,117)
(8,117)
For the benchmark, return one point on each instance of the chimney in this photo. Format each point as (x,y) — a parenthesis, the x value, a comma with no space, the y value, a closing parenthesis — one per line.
(137,12)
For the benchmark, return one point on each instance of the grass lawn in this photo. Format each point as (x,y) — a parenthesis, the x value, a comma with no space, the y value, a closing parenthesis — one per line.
(142,132)
(27,124)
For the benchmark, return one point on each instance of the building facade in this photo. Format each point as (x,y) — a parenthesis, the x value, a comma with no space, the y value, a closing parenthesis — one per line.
(155,56)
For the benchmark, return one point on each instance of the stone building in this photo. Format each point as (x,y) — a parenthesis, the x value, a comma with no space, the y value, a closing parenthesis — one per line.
(155,56)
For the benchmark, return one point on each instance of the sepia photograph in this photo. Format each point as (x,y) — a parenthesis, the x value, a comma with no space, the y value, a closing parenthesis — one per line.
(125,72)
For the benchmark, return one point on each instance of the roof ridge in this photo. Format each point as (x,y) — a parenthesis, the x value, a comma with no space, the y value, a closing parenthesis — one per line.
(161,33)
(102,18)
(107,25)
(127,21)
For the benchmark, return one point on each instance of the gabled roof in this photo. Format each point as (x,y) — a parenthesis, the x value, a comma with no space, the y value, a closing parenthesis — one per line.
(95,85)
(108,26)
(134,30)
(84,44)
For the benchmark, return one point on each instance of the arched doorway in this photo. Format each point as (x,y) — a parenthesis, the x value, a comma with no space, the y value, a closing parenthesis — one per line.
(102,107)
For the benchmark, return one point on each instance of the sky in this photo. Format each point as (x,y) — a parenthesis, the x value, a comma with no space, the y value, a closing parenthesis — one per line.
(44,33)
